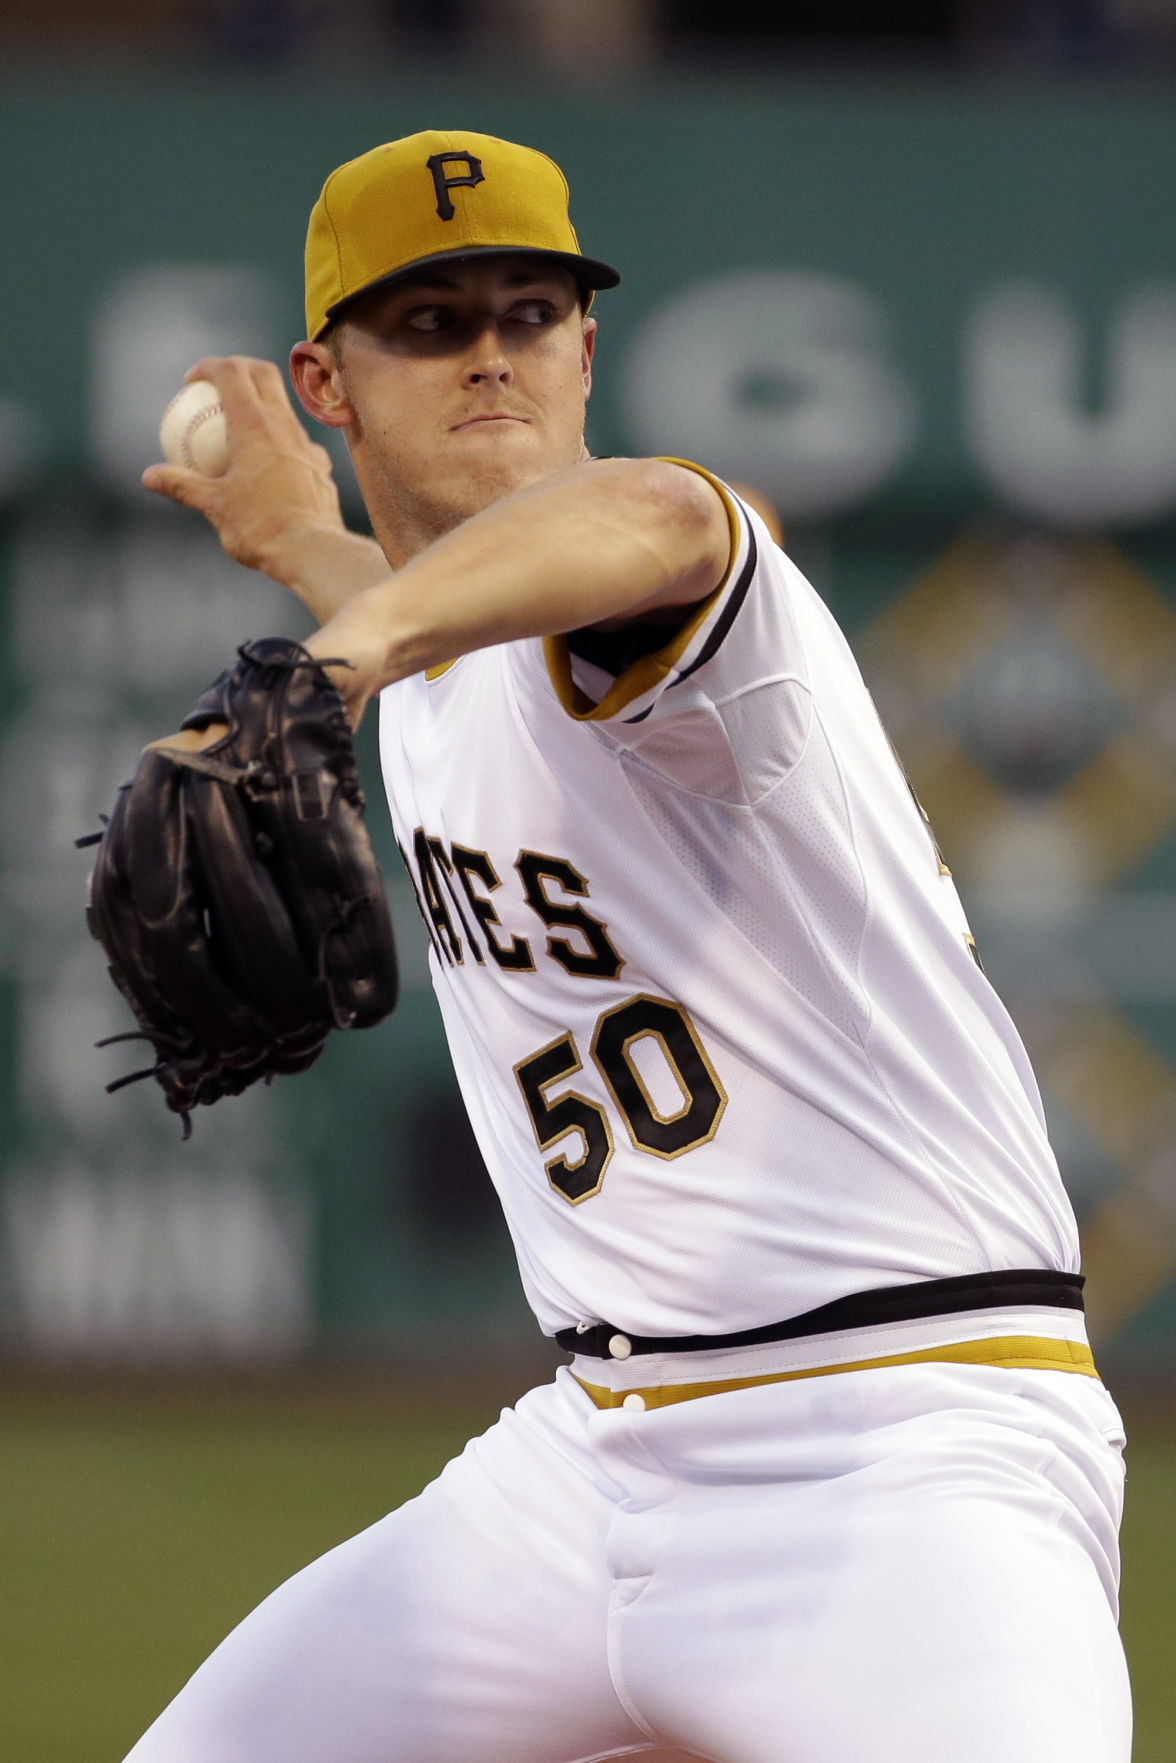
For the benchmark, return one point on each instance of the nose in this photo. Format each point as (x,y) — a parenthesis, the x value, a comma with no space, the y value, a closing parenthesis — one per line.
(487,362)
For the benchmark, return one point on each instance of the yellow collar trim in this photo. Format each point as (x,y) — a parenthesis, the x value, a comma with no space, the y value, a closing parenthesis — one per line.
(1015,1352)
(432,673)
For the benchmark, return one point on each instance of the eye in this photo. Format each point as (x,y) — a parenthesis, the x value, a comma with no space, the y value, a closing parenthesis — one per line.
(429,318)
(535,311)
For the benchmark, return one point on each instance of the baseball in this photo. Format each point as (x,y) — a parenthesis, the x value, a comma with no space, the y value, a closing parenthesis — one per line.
(193,431)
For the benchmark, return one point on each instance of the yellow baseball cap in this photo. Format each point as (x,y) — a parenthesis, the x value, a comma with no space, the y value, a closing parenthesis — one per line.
(441,193)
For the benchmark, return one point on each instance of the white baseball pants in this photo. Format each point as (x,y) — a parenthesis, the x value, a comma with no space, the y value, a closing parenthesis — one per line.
(915,1564)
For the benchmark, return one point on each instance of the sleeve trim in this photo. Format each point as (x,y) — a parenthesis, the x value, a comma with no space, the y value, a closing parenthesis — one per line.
(650,671)
(729,613)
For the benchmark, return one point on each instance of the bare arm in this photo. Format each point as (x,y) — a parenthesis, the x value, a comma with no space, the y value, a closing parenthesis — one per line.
(606,541)
(276,508)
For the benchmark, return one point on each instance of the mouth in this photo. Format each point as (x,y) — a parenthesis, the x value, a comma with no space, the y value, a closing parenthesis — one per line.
(488,419)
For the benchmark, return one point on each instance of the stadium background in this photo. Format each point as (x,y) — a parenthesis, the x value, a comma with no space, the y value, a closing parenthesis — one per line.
(926,301)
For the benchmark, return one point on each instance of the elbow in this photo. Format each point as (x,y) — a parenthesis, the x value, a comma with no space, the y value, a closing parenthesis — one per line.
(676,496)
(686,519)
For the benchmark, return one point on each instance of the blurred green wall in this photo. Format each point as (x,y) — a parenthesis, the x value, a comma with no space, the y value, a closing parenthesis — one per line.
(935,323)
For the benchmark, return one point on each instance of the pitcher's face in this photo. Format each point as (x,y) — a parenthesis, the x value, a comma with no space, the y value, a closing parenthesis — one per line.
(460,384)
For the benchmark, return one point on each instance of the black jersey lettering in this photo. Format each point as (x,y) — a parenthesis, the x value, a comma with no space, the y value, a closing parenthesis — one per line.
(595,955)
(436,911)
(514,956)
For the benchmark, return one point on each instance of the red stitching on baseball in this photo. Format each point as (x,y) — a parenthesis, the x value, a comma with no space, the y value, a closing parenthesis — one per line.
(201,416)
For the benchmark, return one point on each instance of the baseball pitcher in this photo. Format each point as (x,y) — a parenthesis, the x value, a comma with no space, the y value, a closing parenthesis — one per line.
(830,1475)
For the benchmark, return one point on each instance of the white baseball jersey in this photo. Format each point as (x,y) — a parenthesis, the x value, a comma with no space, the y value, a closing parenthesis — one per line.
(728,1054)
(709,990)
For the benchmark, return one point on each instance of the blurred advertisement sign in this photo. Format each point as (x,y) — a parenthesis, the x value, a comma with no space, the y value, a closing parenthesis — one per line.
(902,296)
(1034,434)
(780,377)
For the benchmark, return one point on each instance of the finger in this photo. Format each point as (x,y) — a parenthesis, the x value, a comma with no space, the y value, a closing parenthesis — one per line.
(231,376)
(250,388)
(191,489)
(269,384)
(206,368)
(210,367)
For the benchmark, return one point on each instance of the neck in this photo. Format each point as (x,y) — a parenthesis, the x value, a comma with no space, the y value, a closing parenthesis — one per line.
(406,522)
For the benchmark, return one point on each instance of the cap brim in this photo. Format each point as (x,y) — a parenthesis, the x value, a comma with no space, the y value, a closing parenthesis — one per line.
(589,272)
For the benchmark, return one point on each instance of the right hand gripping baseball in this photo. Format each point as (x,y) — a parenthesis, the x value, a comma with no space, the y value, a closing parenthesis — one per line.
(277,482)
(236,892)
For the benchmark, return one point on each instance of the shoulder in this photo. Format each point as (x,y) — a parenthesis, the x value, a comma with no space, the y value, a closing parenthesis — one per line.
(743,628)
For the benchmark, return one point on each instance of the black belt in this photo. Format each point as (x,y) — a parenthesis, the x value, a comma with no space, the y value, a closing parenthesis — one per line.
(1009,1287)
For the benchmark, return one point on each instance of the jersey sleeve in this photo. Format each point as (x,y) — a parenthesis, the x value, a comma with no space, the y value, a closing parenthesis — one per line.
(720,645)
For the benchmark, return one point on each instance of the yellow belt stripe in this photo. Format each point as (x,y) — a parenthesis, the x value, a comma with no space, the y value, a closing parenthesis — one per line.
(1018,1352)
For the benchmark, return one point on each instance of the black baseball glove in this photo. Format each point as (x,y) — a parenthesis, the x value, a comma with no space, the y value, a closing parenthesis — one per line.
(236,892)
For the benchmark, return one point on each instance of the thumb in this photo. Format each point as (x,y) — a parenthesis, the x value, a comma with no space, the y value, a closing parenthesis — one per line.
(191,489)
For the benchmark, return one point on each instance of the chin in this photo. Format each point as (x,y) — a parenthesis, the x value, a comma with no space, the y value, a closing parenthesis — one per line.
(415,506)
(499,471)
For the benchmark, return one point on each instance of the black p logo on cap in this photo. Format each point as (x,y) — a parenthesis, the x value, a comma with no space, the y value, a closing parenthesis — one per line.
(472,175)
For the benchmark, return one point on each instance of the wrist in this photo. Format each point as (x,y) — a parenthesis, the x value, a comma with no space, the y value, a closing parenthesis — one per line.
(293,552)
(324,565)
(357,635)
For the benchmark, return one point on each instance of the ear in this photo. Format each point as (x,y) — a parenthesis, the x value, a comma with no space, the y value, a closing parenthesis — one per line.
(318,381)
(587,351)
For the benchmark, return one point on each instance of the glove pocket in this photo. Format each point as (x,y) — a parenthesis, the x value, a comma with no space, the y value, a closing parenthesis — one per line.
(326,868)
(252,937)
